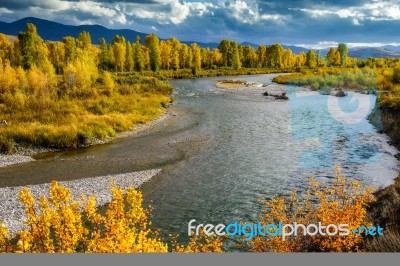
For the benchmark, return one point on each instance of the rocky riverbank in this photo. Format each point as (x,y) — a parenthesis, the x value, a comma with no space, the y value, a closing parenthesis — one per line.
(25,153)
(12,212)
(386,210)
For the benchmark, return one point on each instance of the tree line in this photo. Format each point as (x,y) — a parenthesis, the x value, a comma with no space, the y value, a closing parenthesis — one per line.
(154,54)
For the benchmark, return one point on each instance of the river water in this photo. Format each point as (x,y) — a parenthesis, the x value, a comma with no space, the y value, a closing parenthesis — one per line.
(224,149)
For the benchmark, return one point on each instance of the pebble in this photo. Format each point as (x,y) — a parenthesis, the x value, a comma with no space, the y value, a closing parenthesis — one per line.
(12,212)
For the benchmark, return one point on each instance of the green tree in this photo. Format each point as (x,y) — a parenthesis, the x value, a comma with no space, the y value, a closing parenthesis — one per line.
(274,58)
(249,57)
(70,49)
(57,55)
(318,55)
(138,55)
(226,48)
(152,43)
(104,53)
(311,60)
(129,63)
(236,57)
(31,48)
(343,50)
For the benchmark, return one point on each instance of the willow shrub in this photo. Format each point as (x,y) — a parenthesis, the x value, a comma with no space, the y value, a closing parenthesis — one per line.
(58,223)
(342,202)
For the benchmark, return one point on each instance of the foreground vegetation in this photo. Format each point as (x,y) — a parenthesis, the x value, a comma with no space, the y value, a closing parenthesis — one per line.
(59,223)
(341,202)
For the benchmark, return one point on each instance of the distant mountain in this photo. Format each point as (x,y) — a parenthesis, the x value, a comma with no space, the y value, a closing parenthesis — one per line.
(53,31)
(359,52)
(210,45)
(377,52)
(295,49)
(255,46)
(392,48)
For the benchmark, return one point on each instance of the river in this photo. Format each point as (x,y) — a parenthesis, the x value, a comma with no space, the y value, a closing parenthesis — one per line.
(222,150)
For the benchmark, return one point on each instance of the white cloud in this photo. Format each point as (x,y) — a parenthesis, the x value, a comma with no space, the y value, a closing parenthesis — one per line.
(373,11)
(4,10)
(356,22)
(170,11)
(275,17)
(328,44)
(93,8)
(97,11)
(248,12)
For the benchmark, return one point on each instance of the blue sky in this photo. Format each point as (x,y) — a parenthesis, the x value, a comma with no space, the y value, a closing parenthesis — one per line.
(310,23)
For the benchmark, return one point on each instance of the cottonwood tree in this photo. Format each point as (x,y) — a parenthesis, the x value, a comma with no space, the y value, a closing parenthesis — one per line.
(138,55)
(152,43)
(311,60)
(343,50)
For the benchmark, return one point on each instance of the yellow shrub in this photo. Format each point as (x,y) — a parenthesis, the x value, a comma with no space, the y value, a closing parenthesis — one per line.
(343,202)
(58,223)
(108,82)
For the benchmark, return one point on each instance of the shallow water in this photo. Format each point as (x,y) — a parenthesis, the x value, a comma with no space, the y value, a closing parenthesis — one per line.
(222,150)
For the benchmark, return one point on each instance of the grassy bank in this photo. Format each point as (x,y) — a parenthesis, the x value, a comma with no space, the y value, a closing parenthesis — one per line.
(71,118)
(326,79)
(383,81)
(188,73)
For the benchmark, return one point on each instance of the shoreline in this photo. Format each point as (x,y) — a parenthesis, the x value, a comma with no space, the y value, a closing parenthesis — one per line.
(25,154)
(12,211)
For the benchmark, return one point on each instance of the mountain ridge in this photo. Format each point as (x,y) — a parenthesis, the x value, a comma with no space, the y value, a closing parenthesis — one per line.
(55,31)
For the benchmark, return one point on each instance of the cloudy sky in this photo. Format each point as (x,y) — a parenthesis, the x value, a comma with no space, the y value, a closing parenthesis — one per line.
(311,23)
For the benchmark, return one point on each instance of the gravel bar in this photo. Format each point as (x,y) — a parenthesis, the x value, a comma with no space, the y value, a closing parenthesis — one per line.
(14,159)
(12,212)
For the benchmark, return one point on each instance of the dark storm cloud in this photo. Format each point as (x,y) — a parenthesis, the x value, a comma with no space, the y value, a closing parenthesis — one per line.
(259,21)
(122,1)
(25,4)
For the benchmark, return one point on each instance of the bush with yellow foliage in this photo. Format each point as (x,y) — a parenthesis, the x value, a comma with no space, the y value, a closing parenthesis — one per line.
(343,202)
(61,224)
